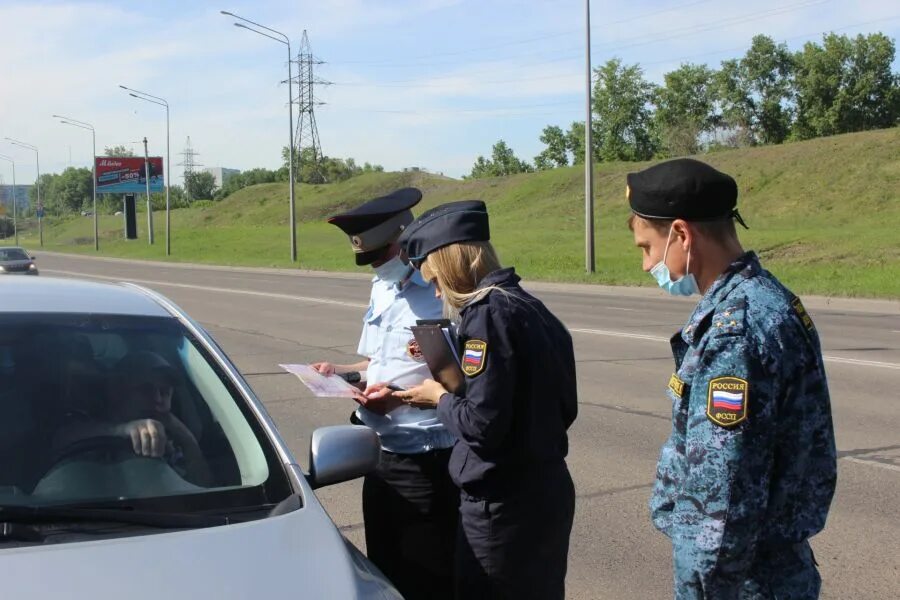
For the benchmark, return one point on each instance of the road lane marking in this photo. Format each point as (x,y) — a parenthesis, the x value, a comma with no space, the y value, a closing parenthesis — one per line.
(314,300)
(622,334)
(872,463)
(864,363)
(656,338)
(206,288)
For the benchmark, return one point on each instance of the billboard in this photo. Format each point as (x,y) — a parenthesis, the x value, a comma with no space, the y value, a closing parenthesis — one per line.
(126,174)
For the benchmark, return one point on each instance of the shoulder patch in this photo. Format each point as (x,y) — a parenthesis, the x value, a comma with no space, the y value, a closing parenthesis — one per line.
(473,357)
(726,403)
(802,314)
(413,351)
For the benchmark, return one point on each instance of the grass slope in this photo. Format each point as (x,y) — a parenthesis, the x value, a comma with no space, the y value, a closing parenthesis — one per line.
(824,216)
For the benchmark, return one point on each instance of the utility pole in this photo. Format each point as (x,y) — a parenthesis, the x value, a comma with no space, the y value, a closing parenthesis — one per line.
(589,265)
(168,171)
(149,204)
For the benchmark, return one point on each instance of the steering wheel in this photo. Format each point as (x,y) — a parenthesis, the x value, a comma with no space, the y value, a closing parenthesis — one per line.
(102,443)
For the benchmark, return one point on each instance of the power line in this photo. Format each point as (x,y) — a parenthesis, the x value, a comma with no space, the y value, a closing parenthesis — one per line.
(434,82)
(787,39)
(648,38)
(439,85)
(538,38)
(644,40)
(505,111)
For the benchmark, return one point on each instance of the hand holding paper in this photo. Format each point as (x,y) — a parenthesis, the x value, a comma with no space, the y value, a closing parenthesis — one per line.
(322,386)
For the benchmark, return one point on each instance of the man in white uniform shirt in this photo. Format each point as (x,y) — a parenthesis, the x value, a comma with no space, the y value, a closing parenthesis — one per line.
(409,502)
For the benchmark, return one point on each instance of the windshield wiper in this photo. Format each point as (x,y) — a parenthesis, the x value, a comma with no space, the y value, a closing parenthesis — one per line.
(17,532)
(120,514)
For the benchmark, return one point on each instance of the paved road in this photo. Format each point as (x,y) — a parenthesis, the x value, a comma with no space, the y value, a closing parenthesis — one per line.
(263,318)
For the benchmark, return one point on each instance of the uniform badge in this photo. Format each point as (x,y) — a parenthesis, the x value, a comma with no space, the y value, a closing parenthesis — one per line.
(413,350)
(801,312)
(676,385)
(473,357)
(726,404)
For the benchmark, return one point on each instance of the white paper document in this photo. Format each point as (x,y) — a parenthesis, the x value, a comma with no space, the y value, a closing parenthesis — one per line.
(320,385)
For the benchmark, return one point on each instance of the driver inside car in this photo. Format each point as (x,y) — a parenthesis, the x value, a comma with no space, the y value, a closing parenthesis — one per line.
(139,409)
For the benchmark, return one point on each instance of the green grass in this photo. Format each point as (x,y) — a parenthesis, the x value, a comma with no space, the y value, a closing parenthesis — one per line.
(824,216)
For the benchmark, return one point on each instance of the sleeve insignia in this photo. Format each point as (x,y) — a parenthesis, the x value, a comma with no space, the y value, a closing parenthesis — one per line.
(726,403)
(676,385)
(802,314)
(473,357)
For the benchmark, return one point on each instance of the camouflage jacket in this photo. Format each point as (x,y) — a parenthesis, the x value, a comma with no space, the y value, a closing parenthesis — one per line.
(750,465)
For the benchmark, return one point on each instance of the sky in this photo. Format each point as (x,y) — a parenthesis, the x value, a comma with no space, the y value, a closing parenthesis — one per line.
(425,83)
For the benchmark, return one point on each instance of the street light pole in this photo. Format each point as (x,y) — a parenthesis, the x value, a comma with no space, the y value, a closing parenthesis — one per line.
(588,151)
(83,125)
(161,102)
(286,41)
(15,200)
(40,206)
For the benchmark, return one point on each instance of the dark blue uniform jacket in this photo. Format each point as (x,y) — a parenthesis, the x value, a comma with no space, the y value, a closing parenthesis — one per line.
(520,393)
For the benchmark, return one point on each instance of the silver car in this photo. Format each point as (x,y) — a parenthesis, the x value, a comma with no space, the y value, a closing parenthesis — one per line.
(136,462)
(16,261)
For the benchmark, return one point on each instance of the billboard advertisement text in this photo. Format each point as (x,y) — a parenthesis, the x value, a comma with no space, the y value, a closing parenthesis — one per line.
(127,174)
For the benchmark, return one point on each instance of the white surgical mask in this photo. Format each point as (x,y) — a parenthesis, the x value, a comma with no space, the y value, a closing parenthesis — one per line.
(393,271)
(683,286)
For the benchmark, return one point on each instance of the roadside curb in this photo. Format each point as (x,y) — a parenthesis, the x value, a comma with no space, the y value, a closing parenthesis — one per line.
(866,305)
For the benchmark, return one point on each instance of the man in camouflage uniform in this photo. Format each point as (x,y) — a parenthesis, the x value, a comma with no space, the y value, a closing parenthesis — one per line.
(749,470)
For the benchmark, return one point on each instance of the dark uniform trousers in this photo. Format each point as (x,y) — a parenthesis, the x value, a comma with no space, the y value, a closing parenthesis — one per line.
(410,508)
(516,544)
(785,572)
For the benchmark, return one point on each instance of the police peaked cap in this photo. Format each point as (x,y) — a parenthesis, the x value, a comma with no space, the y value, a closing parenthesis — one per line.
(465,221)
(374,225)
(683,189)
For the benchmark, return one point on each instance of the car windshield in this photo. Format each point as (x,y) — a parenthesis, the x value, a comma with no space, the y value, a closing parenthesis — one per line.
(13,254)
(117,409)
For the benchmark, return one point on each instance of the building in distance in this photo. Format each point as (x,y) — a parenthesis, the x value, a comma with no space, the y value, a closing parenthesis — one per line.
(221,174)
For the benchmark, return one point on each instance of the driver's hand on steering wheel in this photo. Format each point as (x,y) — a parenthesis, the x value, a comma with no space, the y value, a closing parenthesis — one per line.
(148,436)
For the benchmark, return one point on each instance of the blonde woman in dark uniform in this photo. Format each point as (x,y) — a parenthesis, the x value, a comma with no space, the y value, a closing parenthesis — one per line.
(517,497)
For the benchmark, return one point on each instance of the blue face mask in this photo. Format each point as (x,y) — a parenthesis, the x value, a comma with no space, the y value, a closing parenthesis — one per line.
(683,286)
(393,271)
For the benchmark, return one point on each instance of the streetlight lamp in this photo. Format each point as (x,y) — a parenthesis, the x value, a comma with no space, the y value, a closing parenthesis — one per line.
(15,200)
(83,125)
(159,101)
(286,42)
(40,206)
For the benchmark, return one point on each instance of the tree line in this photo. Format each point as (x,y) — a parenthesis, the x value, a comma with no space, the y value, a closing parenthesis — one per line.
(308,168)
(71,191)
(769,96)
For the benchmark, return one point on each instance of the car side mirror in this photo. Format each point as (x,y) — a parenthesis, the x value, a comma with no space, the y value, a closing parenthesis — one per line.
(341,453)
(33,257)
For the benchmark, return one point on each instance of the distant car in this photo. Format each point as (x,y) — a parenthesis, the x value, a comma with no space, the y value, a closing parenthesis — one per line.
(16,261)
(210,503)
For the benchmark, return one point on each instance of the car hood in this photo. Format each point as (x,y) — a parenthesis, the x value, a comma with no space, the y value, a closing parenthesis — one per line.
(295,555)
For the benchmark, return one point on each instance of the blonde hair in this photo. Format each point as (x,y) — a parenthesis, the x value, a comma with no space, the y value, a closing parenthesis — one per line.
(457,269)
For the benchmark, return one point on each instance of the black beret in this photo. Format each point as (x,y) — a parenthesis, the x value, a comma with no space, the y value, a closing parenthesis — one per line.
(375,224)
(682,189)
(465,221)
